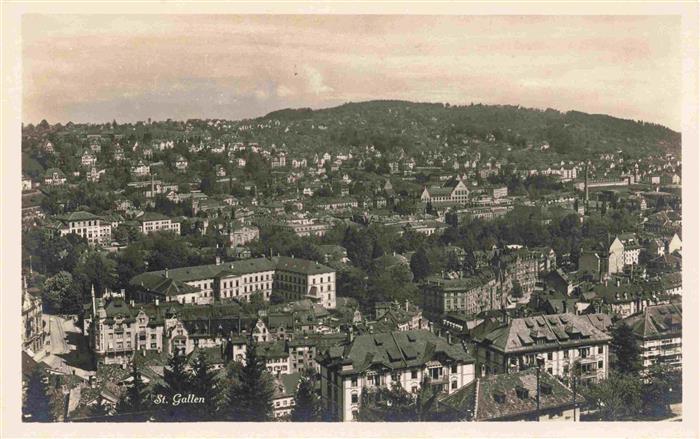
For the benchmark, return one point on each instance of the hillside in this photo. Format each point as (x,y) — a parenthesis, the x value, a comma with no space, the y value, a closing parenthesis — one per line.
(390,125)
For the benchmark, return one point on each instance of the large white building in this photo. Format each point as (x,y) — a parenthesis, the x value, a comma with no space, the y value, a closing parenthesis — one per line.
(155,222)
(91,227)
(292,279)
(453,192)
(374,361)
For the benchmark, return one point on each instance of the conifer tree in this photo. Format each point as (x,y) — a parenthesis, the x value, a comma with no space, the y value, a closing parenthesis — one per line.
(36,407)
(306,402)
(205,385)
(136,398)
(624,345)
(176,383)
(251,396)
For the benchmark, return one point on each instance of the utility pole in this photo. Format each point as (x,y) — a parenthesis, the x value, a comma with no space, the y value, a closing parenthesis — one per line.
(540,362)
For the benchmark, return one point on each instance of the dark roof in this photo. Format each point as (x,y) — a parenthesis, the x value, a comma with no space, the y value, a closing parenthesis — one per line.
(554,330)
(395,350)
(480,397)
(657,321)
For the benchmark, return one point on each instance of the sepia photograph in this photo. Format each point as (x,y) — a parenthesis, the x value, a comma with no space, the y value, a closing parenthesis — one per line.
(354,218)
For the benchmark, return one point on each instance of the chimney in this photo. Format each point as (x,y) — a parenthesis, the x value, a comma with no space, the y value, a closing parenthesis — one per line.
(92,294)
(449,338)
(166,272)
(218,260)
(617,281)
(157,302)
(131,302)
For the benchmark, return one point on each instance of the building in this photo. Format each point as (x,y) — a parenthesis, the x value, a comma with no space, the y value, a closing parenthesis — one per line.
(511,345)
(240,236)
(453,192)
(117,331)
(509,398)
(297,279)
(290,278)
(378,360)
(32,320)
(285,389)
(604,261)
(54,177)
(155,222)
(91,227)
(471,295)
(498,192)
(658,330)
(306,227)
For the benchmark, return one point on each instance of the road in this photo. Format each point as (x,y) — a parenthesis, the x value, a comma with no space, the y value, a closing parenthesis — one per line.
(58,336)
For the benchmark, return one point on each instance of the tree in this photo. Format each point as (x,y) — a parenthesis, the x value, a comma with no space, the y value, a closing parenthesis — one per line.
(176,382)
(98,270)
(662,382)
(617,398)
(624,346)
(205,385)
(136,398)
(60,294)
(307,406)
(251,397)
(420,264)
(36,407)
(98,410)
(517,291)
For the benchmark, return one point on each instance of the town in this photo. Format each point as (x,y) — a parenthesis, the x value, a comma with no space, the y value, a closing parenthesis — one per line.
(376,261)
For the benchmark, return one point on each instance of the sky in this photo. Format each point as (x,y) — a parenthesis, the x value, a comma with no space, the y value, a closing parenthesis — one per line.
(99,68)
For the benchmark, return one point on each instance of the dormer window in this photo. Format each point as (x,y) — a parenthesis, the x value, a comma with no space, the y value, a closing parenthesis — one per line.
(546,388)
(522,392)
(499,396)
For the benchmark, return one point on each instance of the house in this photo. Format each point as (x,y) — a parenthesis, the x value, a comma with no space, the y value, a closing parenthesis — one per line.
(511,397)
(88,159)
(470,295)
(559,281)
(658,330)
(510,345)
(603,260)
(181,164)
(674,244)
(54,177)
(285,389)
(156,222)
(140,169)
(379,360)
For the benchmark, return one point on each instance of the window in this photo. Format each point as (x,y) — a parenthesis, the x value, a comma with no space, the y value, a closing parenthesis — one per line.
(549,355)
(353,382)
(600,349)
(454,368)
(566,353)
(600,364)
(353,398)
(414,374)
(454,384)
(414,389)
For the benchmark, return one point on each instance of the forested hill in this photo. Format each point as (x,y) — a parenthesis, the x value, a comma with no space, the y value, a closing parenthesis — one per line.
(398,124)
